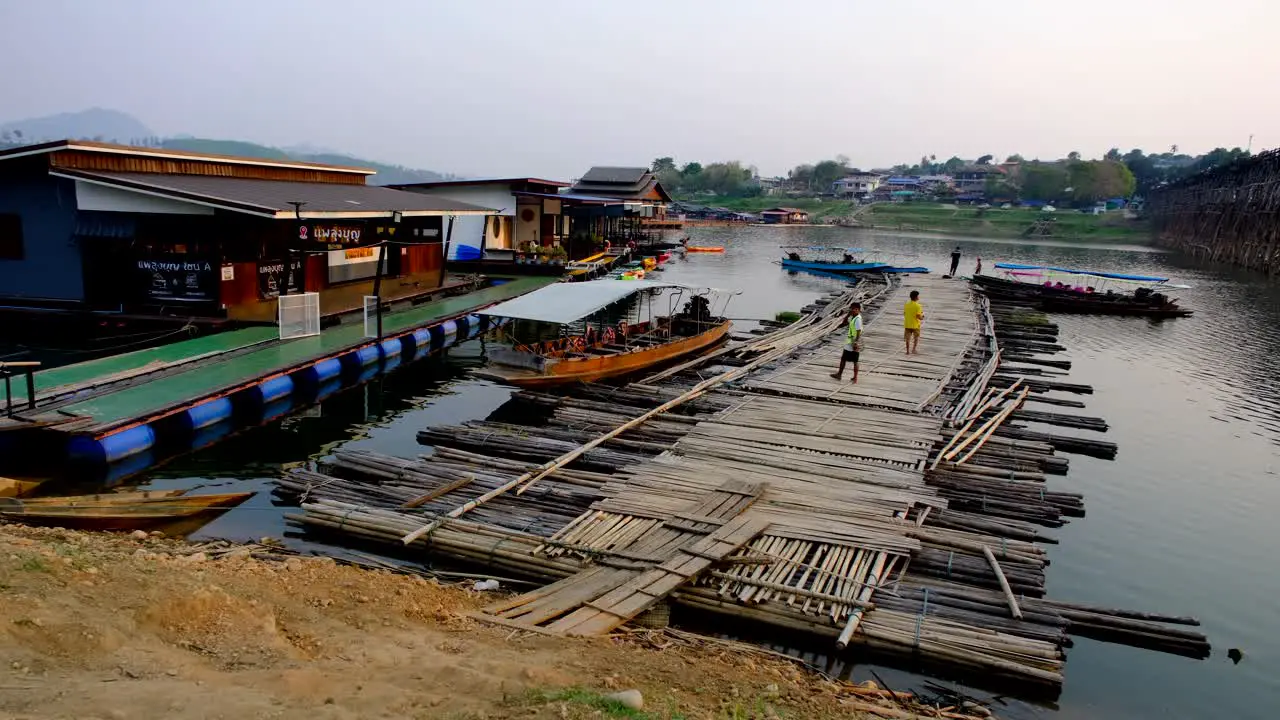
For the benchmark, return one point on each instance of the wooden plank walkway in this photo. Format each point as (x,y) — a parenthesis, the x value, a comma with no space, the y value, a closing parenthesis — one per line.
(889,377)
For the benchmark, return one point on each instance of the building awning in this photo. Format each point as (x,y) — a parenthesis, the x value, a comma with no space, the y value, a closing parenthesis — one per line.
(567,302)
(277,198)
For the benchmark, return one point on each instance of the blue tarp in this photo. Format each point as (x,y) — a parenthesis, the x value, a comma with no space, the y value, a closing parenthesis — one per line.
(1115,276)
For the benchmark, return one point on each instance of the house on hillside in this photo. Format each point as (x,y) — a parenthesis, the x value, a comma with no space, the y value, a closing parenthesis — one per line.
(154,233)
(784,216)
(971,182)
(858,185)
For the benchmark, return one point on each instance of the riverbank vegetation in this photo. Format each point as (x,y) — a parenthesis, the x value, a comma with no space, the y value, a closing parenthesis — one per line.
(1005,222)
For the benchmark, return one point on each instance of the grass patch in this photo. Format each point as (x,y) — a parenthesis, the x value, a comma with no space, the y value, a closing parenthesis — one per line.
(998,222)
(787,316)
(33,563)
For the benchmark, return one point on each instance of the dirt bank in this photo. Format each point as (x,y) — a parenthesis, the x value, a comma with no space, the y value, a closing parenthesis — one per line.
(113,626)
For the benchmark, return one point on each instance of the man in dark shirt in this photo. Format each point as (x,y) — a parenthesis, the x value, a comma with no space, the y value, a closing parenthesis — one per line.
(955,261)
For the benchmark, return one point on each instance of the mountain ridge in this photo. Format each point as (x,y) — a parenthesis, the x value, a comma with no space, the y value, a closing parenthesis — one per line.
(107,125)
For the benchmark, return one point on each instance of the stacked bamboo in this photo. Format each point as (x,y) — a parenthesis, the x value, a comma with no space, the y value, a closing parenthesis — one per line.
(865,543)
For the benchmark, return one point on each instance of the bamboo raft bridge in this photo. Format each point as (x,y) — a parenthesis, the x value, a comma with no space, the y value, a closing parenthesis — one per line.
(905,516)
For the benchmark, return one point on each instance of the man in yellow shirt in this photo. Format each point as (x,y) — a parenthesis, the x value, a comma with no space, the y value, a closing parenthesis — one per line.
(912,316)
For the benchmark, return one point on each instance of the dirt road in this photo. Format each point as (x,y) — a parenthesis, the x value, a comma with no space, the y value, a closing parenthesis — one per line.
(113,626)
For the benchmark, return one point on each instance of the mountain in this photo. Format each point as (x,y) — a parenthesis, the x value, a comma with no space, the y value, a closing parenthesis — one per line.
(387,174)
(115,126)
(91,124)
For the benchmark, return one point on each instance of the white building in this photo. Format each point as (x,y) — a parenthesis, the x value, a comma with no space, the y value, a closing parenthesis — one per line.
(856,186)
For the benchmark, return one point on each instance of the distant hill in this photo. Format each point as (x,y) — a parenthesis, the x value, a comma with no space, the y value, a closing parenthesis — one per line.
(91,124)
(114,126)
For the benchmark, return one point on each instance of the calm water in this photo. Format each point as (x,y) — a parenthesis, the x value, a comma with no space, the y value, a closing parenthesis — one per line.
(1181,522)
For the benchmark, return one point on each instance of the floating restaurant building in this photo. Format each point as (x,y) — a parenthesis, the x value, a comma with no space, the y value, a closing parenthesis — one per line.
(94,229)
(535,214)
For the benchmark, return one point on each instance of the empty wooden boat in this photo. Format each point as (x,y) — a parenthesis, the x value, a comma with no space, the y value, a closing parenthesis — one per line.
(584,332)
(127,511)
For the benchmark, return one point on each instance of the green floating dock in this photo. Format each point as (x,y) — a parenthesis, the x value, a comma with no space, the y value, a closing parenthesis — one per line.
(211,375)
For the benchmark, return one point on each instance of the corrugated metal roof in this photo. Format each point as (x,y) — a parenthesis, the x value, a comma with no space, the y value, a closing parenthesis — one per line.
(614,175)
(114,148)
(275,197)
(567,302)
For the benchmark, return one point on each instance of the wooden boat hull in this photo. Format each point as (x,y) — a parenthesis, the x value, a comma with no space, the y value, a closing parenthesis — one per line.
(13,487)
(98,512)
(705,249)
(919,269)
(832,266)
(1070,301)
(577,370)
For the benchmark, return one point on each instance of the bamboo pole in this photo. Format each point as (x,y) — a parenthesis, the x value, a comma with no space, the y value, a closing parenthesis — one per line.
(1004,583)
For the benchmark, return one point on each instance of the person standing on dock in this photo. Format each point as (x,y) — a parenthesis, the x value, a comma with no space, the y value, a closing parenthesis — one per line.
(955,261)
(912,316)
(852,342)
(977,270)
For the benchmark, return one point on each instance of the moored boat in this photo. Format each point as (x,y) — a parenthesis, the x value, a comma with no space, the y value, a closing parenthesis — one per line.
(827,259)
(704,248)
(117,511)
(1056,289)
(585,332)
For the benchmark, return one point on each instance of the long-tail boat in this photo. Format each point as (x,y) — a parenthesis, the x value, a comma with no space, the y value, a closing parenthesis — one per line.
(827,259)
(590,331)
(1056,289)
(117,511)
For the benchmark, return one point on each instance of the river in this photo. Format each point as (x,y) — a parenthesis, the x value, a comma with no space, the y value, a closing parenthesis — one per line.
(1180,522)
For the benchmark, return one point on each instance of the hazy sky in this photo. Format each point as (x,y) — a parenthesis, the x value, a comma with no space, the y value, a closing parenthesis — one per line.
(550,87)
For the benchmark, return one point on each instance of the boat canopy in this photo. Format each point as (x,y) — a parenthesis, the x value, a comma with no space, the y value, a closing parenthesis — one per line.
(563,303)
(1113,276)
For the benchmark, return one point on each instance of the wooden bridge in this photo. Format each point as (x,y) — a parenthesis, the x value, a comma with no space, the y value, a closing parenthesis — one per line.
(1228,214)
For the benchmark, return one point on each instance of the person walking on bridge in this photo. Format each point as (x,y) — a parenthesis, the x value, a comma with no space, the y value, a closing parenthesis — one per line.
(852,342)
(955,261)
(912,317)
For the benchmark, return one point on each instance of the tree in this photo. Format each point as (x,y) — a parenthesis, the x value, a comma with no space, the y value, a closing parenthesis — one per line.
(663,163)
(825,173)
(1096,180)
(843,160)
(726,178)
(691,169)
(801,175)
(1074,156)
(668,175)
(986,159)
(1113,155)
(1014,158)
(1044,181)
(953,165)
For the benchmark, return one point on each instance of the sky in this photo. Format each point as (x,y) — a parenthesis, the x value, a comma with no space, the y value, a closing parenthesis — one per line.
(549,88)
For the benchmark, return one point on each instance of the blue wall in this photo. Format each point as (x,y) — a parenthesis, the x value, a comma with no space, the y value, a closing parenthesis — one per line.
(51,268)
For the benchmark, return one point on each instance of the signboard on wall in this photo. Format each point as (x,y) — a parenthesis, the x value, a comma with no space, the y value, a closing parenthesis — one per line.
(271,277)
(334,236)
(178,278)
(353,263)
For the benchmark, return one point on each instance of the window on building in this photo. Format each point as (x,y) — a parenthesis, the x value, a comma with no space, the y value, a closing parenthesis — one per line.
(11,247)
